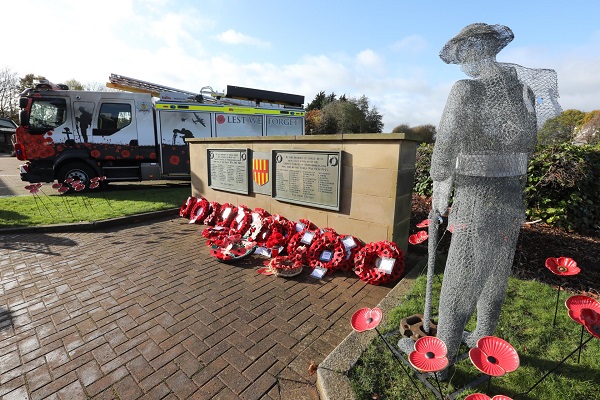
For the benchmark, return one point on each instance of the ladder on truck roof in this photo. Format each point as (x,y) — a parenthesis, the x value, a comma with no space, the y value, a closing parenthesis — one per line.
(138,86)
(234,95)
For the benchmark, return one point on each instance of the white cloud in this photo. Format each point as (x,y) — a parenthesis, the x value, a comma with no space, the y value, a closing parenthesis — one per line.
(412,44)
(231,36)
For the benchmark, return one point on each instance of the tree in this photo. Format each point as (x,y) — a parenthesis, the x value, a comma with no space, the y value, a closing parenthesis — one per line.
(402,128)
(561,129)
(589,131)
(74,84)
(321,100)
(427,132)
(9,94)
(328,115)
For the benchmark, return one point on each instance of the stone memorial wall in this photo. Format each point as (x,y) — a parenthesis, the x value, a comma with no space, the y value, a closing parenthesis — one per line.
(358,184)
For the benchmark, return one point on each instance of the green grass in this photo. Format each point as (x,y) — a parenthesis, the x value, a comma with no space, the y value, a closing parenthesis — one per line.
(50,208)
(526,323)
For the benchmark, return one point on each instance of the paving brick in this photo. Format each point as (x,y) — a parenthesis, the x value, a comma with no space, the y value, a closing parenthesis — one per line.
(89,373)
(19,393)
(210,371)
(259,387)
(127,388)
(235,381)
(259,366)
(188,363)
(73,391)
(157,377)
(38,377)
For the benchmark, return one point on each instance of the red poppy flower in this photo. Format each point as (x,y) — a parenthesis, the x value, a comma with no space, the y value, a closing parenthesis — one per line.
(102,178)
(418,237)
(63,189)
(423,224)
(29,187)
(94,185)
(153,156)
(174,160)
(220,119)
(481,396)
(591,321)
(34,190)
(494,356)
(109,158)
(79,187)
(429,355)
(577,303)
(563,266)
(56,185)
(95,153)
(366,319)
(125,153)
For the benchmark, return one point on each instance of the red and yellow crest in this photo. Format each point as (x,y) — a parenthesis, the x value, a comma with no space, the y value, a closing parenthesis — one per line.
(260,171)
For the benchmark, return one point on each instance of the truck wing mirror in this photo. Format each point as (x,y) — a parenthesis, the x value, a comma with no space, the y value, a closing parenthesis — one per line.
(23,118)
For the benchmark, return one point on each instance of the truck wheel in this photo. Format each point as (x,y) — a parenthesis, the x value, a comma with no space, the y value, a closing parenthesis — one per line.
(77,171)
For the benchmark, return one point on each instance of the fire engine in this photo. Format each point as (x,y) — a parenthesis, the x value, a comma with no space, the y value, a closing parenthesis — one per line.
(139,132)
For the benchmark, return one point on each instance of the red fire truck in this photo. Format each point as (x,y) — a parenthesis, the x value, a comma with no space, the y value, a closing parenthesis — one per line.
(138,133)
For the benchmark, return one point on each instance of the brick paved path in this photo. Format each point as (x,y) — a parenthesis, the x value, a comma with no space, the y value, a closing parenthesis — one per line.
(145,312)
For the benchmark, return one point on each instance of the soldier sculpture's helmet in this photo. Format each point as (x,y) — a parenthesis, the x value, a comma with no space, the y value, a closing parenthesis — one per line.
(476,42)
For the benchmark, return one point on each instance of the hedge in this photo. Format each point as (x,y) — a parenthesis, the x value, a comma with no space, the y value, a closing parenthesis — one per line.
(563,185)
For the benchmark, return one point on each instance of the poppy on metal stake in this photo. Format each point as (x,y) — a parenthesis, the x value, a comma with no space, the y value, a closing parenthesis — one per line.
(366,319)
(576,304)
(561,266)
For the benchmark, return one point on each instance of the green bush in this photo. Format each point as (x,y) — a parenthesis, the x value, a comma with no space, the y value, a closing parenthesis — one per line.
(423,184)
(563,185)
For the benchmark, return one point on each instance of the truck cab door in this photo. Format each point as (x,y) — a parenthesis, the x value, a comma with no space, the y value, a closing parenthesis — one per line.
(114,130)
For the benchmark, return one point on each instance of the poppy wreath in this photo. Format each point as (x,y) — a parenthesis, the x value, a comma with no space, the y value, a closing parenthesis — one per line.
(225,220)
(351,253)
(211,219)
(279,232)
(184,210)
(258,225)
(296,246)
(214,232)
(242,220)
(284,266)
(306,224)
(223,240)
(228,248)
(328,241)
(366,262)
(199,211)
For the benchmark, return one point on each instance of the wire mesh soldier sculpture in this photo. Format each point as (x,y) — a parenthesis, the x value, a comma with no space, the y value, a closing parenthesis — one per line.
(486,134)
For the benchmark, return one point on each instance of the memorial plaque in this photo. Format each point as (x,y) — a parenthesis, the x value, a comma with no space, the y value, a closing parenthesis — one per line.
(228,170)
(307,177)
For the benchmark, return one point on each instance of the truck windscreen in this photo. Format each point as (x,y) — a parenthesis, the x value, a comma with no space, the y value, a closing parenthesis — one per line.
(47,114)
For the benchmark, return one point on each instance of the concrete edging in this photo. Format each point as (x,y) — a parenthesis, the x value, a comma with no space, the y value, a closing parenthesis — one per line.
(332,373)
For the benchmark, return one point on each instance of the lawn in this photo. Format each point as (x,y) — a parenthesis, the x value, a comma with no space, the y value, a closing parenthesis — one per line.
(526,323)
(47,207)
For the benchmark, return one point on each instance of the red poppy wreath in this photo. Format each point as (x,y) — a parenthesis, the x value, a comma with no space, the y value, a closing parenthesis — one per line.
(186,207)
(379,263)
(199,211)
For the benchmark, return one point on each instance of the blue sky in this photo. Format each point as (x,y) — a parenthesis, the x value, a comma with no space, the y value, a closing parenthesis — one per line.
(386,50)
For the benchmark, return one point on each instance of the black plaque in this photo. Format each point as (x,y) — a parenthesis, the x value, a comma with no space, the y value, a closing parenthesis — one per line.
(228,170)
(307,177)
